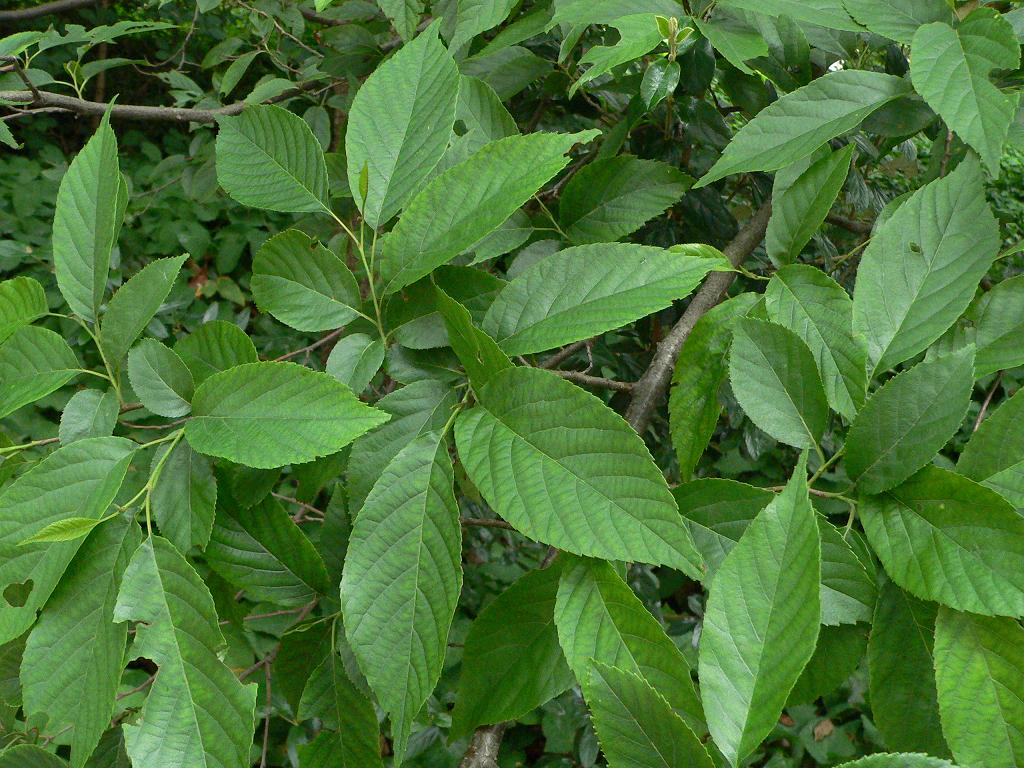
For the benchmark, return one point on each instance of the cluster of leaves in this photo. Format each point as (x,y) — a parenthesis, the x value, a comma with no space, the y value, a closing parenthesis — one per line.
(330,488)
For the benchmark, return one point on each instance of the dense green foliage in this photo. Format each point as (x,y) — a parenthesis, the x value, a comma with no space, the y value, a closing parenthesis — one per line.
(511,383)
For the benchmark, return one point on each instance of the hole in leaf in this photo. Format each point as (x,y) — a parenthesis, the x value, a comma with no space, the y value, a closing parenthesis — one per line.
(16,595)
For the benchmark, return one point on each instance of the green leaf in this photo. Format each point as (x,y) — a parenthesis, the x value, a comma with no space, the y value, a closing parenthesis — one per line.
(33,363)
(269,414)
(403,575)
(584,291)
(701,368)
(89,413)
(512,662)
(546,455)
(733,37)
(29,756)
(943,537)
(636,726)
(475,16)
(816,308)
(404,14)
(184,497)
(717,512)
(77,628)
(761,621)
(236,71)
(303,284)
(160,378)
(331,696)
(478,353)
(197,713)
(458,207)
(77,480)
(135,304)
(614,197)
(67,529)
(998,319)
(901,673)
(822,13)
(267,157)
(950,69)
(897,19)
(836,659)
(421,407)
(22,301)
(213,347)
(800,122)
(607,11)
(922,267)
(908,420)
(399,124)
(483,117)
(994,456)
(898,761)
(260,550)
(599,618)
(86,222)
(802,207)
(660,81)
(775,379)
(355,360)
(979,673)
(848,592)
(638,35)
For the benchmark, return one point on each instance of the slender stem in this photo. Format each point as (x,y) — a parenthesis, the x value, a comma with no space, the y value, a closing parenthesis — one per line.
(25,446)
(369,272)
(825,466)
(154,476)
(554,221)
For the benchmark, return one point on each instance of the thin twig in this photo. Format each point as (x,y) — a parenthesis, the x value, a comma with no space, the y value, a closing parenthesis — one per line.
(140,687)
(475,522)
(310,347)
(58,6)
(596,381)
(484,747)
(564,354)
(138,112)
(988,401)
(850,225)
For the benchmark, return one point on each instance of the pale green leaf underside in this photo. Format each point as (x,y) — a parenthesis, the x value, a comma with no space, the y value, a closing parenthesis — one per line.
(994,456)
(979,671)
(160,378)
(800,122)
(184,497)
(22,300)
(458,207)
(269,414)
(908,420)
(761,621)
(922,267)
(945,538)
(77,628)
(584,291)
(303,284)
(267,157)
(636,726)
(823,13)
(135,304)
(600,618)
(78,480)
(897,19)
(89,413)
(402,579)
(775,379)
(86,222)
(399,124)
(33,363)
(566,470)
(197,713)
(950,69)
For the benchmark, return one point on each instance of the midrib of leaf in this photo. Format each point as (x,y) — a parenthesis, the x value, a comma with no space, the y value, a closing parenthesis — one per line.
(640,724)
(995,686)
